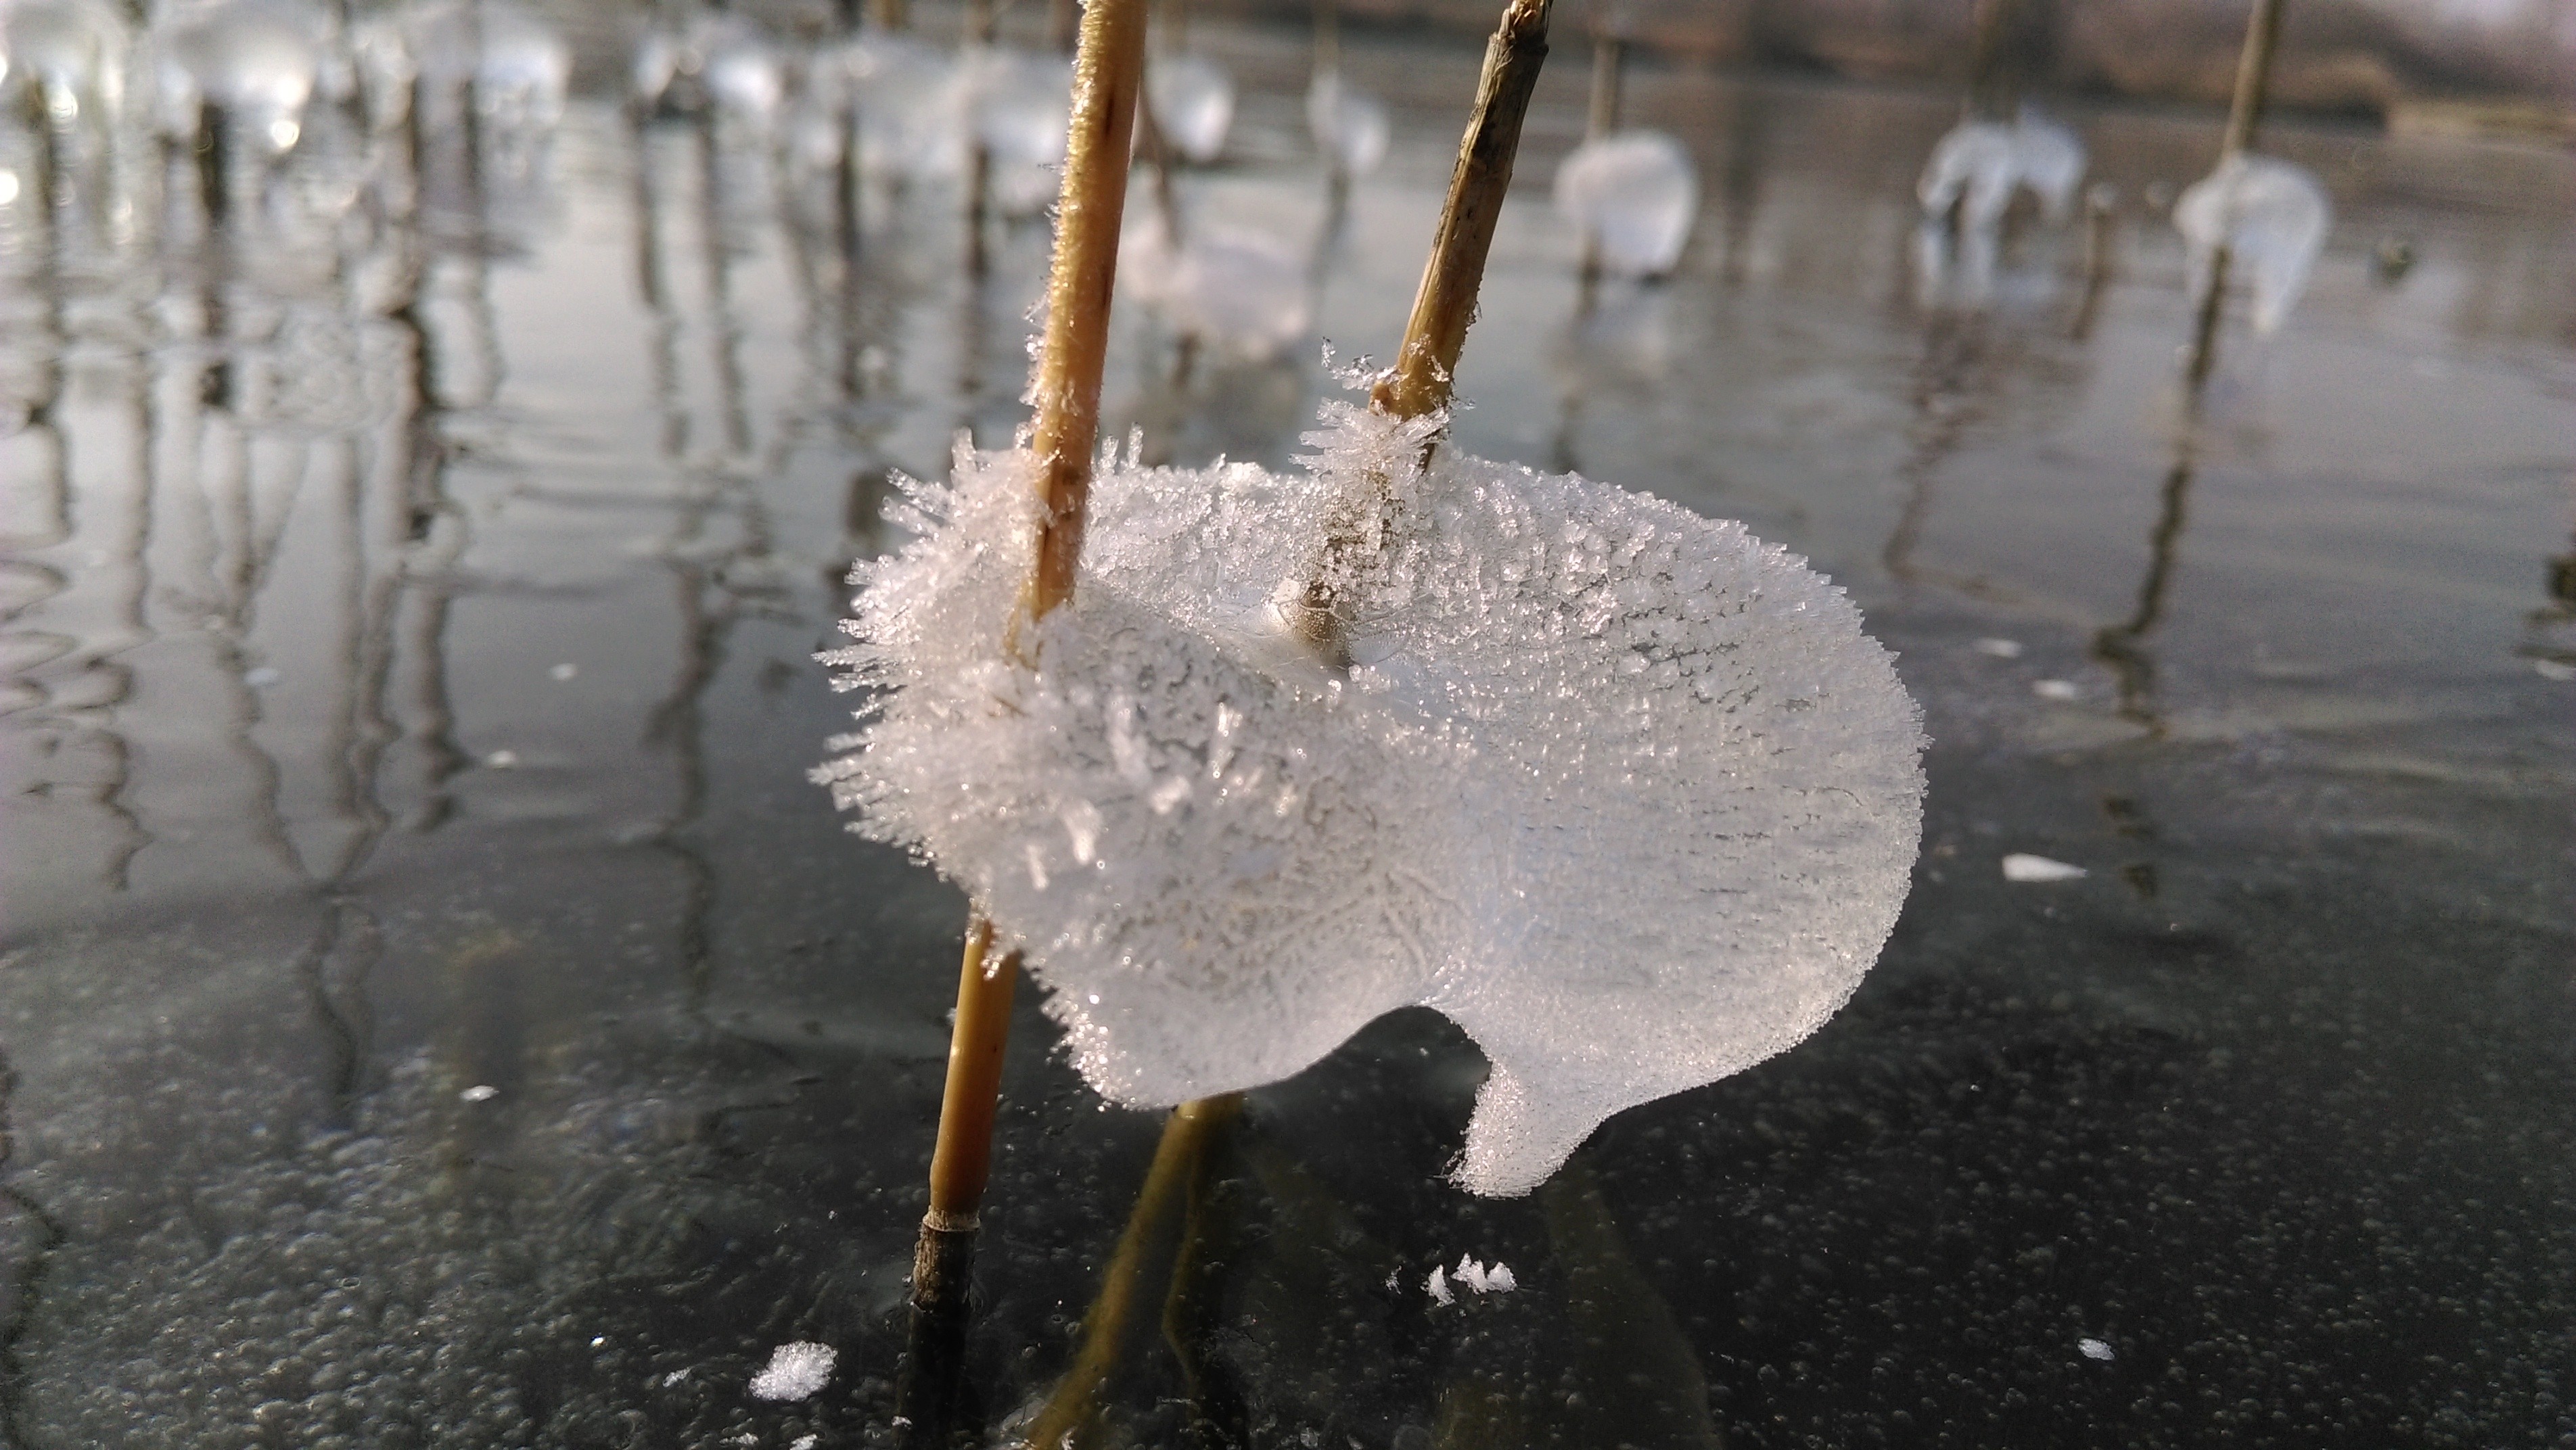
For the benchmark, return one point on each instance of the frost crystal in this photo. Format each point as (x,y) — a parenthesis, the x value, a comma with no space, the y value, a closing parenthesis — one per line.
(1496,1280)
(1624,792)
(795,1371)
(2272,217)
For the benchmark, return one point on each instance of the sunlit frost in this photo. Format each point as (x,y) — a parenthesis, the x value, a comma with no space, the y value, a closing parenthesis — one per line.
(1623,791)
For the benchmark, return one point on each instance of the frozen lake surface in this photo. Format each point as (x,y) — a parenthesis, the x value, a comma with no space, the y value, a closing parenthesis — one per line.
(439,1012)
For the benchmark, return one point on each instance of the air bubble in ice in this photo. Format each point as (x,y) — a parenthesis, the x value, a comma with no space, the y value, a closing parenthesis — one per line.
(1193,101)
(1634,195)
(2270,215)
(1621,883)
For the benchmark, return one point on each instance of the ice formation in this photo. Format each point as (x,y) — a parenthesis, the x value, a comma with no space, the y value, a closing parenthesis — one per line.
(1475,1276)
(2272,217)
(261,60)
(1634,194)
(795,1371)
(1193,101)
(2024,867)
(1623,791)
(1022,107)
(911,100)
(729,62)
(519,66)
(1242,293)
(74,48)
(1978,166)
(1350,126)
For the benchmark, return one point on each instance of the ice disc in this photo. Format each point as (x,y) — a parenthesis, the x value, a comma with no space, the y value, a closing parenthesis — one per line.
(1623,791)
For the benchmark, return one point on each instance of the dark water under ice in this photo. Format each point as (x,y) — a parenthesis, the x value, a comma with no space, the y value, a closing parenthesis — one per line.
(404,658)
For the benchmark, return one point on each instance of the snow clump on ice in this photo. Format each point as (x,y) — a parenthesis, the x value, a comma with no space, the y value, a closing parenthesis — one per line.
(795,1371)
(1623,791)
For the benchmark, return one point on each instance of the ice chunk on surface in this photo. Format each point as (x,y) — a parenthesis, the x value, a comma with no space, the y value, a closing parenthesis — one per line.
(1978,165)
(2022,866)
(795,1371)
(1193,101)
(911,99)
(1623,791)
(518,65)
(2272,217)
(75,47)
(2049,160)
(1350,126)
(261,59)
(1634,194)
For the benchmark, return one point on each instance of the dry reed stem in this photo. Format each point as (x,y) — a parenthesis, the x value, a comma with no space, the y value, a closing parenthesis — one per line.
(1445,304)
(1443,307)
(1107,72)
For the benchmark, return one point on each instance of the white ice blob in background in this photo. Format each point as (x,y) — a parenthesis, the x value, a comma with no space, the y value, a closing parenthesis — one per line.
(261,60)
(75,48)
(2271,215)
(1350,126)
(911,99)
(1193,101)
(1974,166)
(1244,294)
(1634,195)
(1022,110)
(1978,165)
(2050,161)
(1623,791)
(518,65)
(718,60)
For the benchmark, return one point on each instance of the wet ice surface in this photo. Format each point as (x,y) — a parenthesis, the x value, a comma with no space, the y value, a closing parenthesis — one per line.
(2271,1102)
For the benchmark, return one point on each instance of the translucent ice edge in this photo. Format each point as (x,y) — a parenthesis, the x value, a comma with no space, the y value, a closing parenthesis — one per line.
(1623,791)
